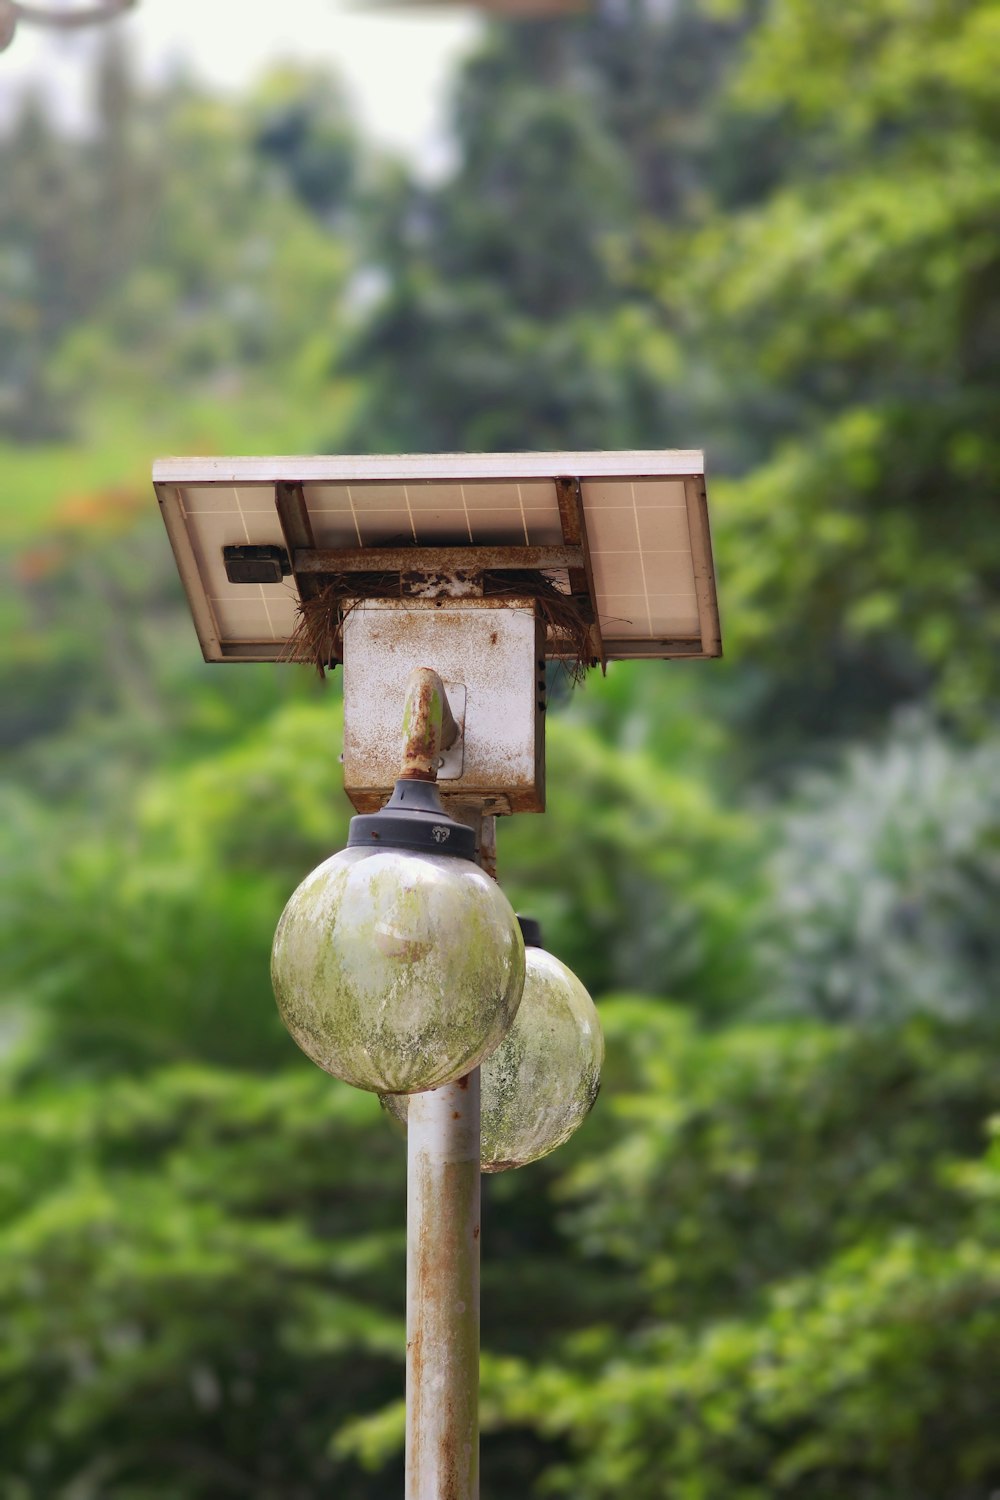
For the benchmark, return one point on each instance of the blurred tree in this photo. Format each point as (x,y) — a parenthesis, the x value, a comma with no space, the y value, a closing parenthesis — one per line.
(513,313)
(235,276)
(873,1375)
(851,319)
(175,893)
(768,1266)
(303,126)
(810,1181)
(201,1277)
(46,275)
(737,1159)
(797,269)
(886,884)
(184,239)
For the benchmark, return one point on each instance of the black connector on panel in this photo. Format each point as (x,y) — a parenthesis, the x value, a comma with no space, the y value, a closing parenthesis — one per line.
(256,564)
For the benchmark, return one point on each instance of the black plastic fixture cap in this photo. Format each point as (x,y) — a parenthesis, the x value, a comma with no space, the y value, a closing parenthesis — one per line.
(531,931)
(413,818)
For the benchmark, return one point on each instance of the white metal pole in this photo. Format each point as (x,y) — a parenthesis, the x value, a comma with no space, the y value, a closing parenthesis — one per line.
(442,1293)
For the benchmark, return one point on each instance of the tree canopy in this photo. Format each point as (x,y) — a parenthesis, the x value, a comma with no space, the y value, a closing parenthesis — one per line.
(768,1265)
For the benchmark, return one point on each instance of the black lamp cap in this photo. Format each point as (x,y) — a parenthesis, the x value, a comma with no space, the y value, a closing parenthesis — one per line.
(531,931)
(414,819)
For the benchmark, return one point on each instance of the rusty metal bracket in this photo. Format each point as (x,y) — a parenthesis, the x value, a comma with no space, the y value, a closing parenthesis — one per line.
(296,528)
(429,725)
(452,760)
(581,577)
(308,560)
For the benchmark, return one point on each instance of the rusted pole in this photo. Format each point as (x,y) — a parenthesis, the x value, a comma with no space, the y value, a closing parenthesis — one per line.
(442,1206)
(442,1293)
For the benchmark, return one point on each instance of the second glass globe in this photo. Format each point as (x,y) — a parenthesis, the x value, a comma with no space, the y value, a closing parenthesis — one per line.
(541,1082)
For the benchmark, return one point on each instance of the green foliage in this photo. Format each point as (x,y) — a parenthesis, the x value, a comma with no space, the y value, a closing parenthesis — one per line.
(768,1265)
(510,303)
(851,315)
(832,1192)
(218,268)
(872,1377)
(175,898)
(151,941)
(740,1158)
(305,129)
(234,276)
(192,1295)
(640,879)
(887,880)
(201,1276)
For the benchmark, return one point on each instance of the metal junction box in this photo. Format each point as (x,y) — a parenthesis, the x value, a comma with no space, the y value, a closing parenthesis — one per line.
(491,658)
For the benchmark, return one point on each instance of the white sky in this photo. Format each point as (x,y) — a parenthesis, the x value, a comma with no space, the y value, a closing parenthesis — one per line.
(395,63)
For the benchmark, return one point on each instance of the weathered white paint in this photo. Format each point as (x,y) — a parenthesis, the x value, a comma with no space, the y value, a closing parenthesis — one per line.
(453,756)
(340,468)
(493,652)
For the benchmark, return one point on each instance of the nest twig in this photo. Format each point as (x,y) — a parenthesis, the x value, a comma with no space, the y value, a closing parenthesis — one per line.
(318,635)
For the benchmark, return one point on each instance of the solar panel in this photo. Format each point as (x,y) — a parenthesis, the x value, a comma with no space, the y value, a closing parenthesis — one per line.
(626,531)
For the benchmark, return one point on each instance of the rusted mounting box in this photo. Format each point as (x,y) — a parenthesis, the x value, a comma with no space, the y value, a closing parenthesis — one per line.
(497,653)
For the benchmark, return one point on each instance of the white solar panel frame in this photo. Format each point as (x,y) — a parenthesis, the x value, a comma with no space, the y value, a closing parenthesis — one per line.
(645,514)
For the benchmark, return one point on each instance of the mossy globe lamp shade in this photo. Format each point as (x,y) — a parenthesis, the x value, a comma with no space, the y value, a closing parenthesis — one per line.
(398,965)
(541,1082)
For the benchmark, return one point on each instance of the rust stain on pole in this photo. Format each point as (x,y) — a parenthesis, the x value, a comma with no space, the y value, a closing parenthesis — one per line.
(442,1273)
(488,845)
(442,1293)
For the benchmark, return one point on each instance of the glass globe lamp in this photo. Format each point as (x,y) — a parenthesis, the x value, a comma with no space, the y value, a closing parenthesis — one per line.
(541,1082)
(398,965)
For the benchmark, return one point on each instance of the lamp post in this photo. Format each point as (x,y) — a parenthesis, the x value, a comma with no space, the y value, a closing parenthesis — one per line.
(442,584)
(442,1292)
(427,979)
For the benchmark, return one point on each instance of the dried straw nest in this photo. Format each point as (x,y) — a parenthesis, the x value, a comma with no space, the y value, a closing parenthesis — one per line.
(318,635)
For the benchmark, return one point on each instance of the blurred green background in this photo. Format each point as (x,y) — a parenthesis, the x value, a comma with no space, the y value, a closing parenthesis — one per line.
(769,1266)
